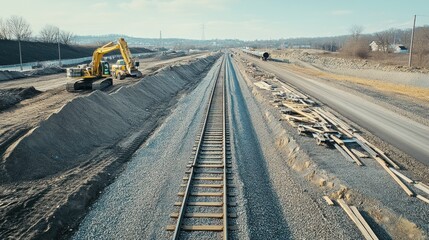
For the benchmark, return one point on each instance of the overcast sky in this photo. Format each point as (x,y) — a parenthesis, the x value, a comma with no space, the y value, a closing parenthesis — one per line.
(247,20)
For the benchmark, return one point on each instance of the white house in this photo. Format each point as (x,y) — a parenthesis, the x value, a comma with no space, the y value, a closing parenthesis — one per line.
(398,48)
(395,48)
(374,46)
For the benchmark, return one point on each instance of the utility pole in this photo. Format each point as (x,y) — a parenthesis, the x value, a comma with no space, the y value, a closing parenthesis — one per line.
(412,41)
(20,53)
(59,48)
(161,44)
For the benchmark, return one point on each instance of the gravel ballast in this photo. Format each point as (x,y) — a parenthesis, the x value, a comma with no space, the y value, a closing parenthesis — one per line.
(280,204)
(141,199)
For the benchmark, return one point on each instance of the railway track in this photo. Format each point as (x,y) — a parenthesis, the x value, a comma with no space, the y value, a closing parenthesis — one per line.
(203,198)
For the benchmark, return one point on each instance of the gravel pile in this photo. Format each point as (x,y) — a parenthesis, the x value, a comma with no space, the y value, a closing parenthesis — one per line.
(12,96)
(10,75)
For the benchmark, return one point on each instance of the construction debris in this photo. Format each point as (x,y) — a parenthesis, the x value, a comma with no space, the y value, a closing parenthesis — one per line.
(309,119)
(328,201)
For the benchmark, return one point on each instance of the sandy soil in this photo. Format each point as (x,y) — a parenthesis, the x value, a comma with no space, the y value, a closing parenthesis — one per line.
(49,185)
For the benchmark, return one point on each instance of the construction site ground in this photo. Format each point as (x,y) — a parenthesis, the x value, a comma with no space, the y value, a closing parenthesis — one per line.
(36,201)
(108,165)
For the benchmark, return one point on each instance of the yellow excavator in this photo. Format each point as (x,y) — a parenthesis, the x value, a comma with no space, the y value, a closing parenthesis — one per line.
(98,74)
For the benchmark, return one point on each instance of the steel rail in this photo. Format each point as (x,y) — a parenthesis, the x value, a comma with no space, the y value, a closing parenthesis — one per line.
(176,234)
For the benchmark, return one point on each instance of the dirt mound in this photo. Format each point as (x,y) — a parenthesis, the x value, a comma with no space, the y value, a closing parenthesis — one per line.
(93,122)
(44,71)
(165,55)
(9,75)
(11,96)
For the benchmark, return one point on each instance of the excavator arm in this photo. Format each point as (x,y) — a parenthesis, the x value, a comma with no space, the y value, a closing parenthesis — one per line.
(97,56)
(126,55)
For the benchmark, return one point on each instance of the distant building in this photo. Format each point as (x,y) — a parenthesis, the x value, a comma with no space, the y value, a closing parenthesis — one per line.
(398,48)
(302,46)
(395,48)
(375,47)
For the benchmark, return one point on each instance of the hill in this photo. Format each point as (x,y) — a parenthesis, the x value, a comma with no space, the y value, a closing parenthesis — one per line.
(38,51)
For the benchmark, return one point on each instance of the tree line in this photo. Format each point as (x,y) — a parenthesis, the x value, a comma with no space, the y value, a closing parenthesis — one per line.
(357,44)
(17,28)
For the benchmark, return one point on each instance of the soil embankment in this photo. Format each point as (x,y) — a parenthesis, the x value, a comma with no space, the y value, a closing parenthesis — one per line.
(50,175)
(38,51)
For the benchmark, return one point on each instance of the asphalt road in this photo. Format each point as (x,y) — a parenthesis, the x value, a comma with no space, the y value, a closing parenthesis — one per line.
(401,132)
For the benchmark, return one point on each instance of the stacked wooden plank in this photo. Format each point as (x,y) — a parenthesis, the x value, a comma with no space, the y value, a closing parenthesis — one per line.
(310,119)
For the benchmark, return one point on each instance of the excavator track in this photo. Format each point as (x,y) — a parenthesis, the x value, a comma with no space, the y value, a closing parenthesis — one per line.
(89,84)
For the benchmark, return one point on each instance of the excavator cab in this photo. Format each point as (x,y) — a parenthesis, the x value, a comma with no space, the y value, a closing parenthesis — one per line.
(105,68)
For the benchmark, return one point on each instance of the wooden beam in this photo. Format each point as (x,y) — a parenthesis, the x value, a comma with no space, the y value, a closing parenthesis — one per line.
(377,150)
(423,198)
(358,162)
(353,217)
(202,194)
(364,223)
(205,178)
(201,204)
(397,180)
(203,215)
(422,187)
(215,228)
(328,201)
(359,153)
(295,109)
(337,140)
(405,178)
(198,215)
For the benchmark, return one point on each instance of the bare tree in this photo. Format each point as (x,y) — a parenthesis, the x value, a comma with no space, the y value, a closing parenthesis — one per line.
(356,31)
(66,37)
(4,30)
(49,34)
(421,46)
(356,45)
(385,39)
(19,28)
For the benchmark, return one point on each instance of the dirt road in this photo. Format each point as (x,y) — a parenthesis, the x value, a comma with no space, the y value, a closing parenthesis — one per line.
(403,133)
